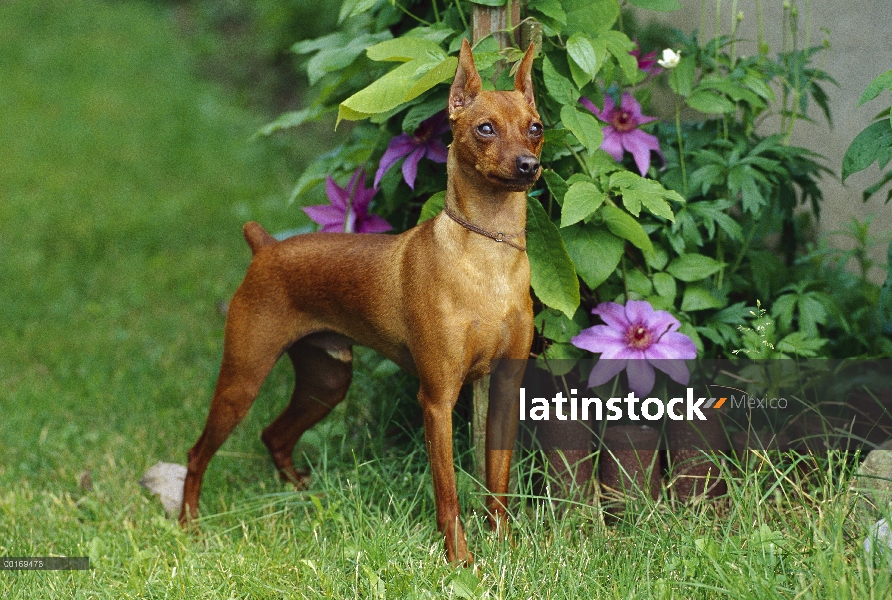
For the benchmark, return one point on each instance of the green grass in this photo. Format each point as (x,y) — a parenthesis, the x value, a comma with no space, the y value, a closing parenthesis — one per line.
(124,182)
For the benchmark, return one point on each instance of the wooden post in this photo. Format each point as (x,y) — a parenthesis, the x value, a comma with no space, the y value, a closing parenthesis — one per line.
(495,20)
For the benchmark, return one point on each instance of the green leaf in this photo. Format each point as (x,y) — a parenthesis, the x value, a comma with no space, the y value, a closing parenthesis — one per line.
(552,274)
(755,81)
(638,283)
(681,78)
(732,90)
(291,119)
(584,126)
(874,143)
(867,193)
(490,2)
(782,310)
(432,207)
(405,49)
(637,191)
(595,252)
(556,326)
(581,50)
(744,179)
(559,87)
(712,213)
(664,284)
(420,112)
(699,298)
(619,45)
(811,313)
(658,258)
(880,83)
(382,95)
(556,185)
(580,77)
(623,225)
(332,40)
(442,72)
(660,5)
(590,16)
(351,8)
(559,358)
(464,585)
(709,102)
(693,267)
(337,53)
(798,345)
(580,202)
(549,8)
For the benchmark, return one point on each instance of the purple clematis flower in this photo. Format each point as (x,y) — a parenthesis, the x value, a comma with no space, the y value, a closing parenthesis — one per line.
(622,131)
(636,338)
(647,62)
(423,143)
(349,208)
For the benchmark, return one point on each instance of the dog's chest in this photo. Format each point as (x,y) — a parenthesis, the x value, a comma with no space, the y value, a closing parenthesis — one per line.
(489,303)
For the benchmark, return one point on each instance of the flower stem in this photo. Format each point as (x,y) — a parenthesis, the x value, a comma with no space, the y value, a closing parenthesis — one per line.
(734,25)
(681,160)
(408,13)
(576,156)
(761,28)
(702,17)
(461,14)
(744,249)
(625,279)
(720,256)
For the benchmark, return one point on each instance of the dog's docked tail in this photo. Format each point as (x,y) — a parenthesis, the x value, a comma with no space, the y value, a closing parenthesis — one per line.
(256,236)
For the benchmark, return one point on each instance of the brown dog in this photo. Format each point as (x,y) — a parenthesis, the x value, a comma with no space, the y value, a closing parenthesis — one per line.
(441,300)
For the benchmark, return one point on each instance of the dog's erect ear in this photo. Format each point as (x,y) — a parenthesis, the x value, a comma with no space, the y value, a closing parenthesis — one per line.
(466,84)
(523,79)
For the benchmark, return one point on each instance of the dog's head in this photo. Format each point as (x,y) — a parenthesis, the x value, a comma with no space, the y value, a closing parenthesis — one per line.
(500,133)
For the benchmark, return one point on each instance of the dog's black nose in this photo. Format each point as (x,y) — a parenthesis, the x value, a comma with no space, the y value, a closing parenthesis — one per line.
(527,165)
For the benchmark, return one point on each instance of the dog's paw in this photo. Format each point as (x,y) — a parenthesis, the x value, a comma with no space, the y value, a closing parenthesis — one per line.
(166,481)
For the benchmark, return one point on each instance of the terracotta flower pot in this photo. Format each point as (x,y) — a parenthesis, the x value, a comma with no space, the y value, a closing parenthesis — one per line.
(568,453)
(629,461)
(695,449)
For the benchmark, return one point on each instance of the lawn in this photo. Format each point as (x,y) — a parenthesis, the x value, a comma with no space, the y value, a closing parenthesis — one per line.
(124,182)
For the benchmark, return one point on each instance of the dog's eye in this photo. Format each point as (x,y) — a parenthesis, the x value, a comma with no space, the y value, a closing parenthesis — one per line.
(486,129)
(536,129)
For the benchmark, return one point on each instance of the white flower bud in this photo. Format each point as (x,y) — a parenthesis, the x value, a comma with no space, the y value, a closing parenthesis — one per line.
(670,59)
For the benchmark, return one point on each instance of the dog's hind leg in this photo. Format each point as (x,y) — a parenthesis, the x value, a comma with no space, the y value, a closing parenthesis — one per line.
(251,347)
(322,374)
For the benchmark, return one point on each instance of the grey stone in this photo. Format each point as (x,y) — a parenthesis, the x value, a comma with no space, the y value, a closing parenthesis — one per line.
(166,481)
(874,476)
(881,536)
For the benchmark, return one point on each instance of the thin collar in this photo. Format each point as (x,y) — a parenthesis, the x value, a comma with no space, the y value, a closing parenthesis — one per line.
(498,236)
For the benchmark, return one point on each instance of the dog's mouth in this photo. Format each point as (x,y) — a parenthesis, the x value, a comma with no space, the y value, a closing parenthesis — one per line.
(515,184)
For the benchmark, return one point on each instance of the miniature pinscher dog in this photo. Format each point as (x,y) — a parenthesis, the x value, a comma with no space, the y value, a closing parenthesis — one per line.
(441,300)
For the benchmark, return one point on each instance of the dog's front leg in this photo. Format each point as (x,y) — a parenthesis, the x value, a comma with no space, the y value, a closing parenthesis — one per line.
(437,402)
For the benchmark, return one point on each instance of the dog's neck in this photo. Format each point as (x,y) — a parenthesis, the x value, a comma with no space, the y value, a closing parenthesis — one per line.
(483,203)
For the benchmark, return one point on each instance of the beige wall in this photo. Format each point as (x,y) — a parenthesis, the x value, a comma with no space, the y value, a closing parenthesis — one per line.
(860,34)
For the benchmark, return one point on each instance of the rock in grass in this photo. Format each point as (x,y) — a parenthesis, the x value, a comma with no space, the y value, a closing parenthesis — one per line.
(875,475)
(880,537)
(166,481)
